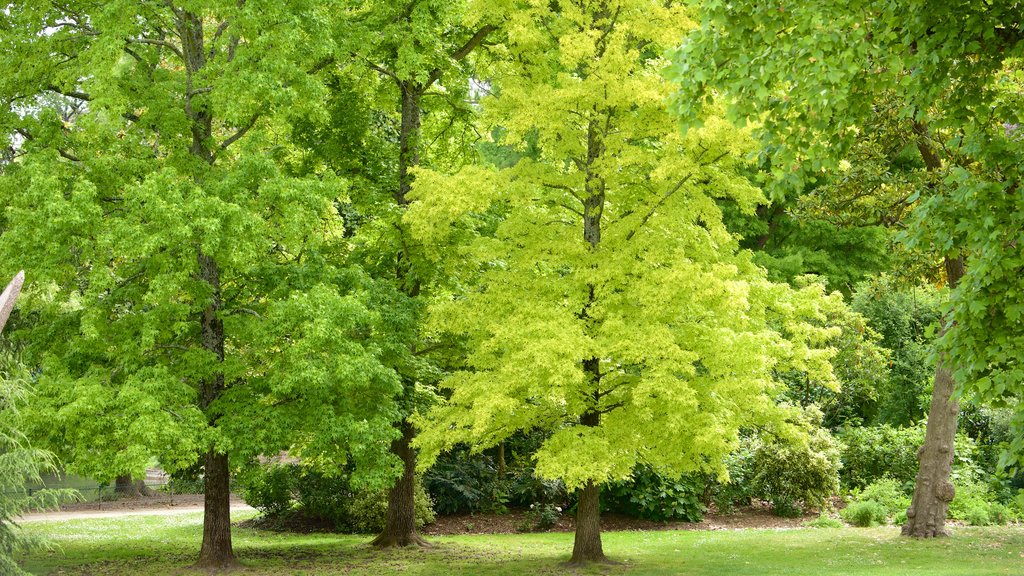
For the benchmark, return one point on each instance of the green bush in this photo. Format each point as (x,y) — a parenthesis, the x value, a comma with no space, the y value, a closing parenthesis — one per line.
(889,493)
(280,488)
(461,482)
(795,476)
(975,504)
(877,452)
(824,521)
(864,513)
(367,510)
(270,489)
(652,497)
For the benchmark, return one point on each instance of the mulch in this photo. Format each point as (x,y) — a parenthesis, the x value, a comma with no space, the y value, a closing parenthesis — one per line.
(519,521)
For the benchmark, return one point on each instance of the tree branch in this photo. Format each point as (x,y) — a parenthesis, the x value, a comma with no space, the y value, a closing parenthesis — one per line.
(461,53)
(241,132)
(157,42)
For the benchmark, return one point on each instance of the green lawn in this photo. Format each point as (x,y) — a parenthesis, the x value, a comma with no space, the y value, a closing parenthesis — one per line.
(166,545)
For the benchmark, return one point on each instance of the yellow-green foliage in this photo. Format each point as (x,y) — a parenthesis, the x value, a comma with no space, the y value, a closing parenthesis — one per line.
(686,329)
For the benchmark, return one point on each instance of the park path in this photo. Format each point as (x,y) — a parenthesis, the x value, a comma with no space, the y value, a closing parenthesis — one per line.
(165,510)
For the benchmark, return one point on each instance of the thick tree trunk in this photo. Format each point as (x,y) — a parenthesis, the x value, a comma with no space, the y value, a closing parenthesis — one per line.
(933,489)
(587,545)
(501,460)
(400,521)
(125,487)
(216,552)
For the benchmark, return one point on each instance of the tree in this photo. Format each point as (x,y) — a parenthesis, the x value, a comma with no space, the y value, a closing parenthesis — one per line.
(609,294)
(421,49)
(189,299)
(820,73)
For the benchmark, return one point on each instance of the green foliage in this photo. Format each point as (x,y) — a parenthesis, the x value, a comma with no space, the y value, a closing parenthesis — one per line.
(878,503)
(541,517)
(864,513)
(610,294)
(172,204)
(975,504)
(795,475)
(461,482)
(20,465)
(860,366)
(906,318)
(270,489)
(367,510)
(650,496)
(876,452)
(280,489)
(824,521)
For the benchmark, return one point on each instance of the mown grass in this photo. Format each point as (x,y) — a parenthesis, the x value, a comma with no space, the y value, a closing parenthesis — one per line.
(154,545)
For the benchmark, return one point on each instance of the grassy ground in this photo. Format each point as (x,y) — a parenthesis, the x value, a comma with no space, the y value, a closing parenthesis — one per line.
(151,545)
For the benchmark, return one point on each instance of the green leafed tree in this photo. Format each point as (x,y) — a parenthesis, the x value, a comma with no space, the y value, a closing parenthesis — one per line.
(610,305)
(412,60)
(815,74)
(186,299)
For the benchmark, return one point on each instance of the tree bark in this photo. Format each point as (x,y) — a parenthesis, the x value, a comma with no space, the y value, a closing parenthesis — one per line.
(400,521)
(216,551)
(587,544)
(933,490)
(126,487)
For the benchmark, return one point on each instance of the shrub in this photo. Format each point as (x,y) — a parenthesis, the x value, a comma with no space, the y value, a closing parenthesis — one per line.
(889,494)
(461,482)
(269,489)
(796,475)
(976,505)
(367,510)
(864,513)
(876,452)
(279,488)
(652,497)
(541,517)
(824,521)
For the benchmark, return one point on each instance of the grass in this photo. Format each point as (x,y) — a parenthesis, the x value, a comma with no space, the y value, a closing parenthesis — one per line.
(152,545)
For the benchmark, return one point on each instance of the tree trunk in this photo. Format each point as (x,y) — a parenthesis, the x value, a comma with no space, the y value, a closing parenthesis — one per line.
(501,460)
(933,490)
(216,552)
(587,545)
(125,487)
(400,521)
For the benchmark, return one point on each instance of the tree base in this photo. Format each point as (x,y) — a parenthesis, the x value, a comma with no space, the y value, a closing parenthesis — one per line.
(911,532)
(601,560)
(217,564)
(400,541)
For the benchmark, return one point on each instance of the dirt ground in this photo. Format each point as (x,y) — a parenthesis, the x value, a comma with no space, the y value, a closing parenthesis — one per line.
(758,516)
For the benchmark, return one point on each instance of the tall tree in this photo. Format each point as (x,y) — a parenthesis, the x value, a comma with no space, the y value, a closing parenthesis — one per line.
(420,48)
(610,305)
(819,74)
(188,299)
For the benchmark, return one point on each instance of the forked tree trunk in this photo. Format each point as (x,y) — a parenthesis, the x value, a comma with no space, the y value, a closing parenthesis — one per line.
(933,489)
(216,552)
(587,544)
(400,521)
